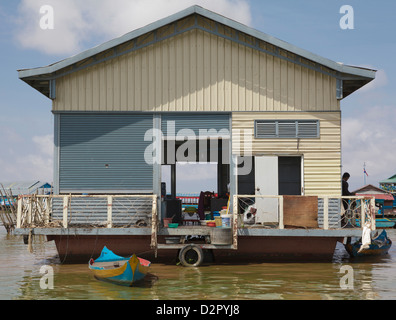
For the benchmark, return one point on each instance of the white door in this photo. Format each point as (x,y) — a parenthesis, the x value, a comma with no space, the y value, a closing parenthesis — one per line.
(266,177)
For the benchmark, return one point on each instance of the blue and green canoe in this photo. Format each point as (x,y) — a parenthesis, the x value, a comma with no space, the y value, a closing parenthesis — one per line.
(112,268)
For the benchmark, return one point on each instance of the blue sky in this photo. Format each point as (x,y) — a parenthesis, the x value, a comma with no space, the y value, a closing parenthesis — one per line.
(369,115)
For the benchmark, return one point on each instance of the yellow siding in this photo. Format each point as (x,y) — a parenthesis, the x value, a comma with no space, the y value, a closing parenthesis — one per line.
(196,71)
(322,157)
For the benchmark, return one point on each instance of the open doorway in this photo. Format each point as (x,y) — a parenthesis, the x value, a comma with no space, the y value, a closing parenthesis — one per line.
(203,166)
(189,172)
(191,178)
(272,175)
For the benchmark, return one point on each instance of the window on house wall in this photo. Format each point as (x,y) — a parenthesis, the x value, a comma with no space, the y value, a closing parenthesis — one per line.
(265,129)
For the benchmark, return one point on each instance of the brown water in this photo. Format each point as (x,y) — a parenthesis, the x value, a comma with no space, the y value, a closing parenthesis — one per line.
(20,277)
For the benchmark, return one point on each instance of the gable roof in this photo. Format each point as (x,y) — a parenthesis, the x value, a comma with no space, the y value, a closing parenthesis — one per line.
(372,191)
(353,77)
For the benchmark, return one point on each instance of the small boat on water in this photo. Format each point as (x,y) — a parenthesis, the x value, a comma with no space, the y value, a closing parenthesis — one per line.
(381,223)
(119,270)
(379,246)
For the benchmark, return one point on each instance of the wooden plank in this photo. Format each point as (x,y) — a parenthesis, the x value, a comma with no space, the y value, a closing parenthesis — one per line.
(300,211)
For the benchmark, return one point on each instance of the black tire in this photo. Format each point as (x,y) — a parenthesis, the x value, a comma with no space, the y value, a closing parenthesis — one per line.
(191,256)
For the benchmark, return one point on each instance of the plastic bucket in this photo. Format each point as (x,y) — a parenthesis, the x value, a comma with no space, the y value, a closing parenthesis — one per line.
(226,220)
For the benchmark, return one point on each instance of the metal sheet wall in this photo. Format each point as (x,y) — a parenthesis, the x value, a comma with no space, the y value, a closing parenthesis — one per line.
(196,71)
(212,123)
(93,211)
(101,153)
(321,156)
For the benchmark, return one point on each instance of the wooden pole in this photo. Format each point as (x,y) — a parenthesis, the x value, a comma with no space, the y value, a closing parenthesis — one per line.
(154,225)
(326,213)
(281,221)
(65,211)
(47,210)
(372,211)
(363,212)
(109,212)
(19,212)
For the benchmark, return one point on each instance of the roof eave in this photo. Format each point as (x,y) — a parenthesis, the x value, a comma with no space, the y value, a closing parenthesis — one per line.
(361,76)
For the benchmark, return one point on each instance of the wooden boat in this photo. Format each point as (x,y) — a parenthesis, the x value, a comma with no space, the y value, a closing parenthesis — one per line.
(119,270)
(384,223)
(381,223)
(379,246)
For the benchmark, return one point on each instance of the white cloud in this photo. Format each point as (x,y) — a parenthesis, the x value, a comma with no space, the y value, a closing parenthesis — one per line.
(27,160)
(381,80)
(70,27)
(369,138)
(76,22)
(45,144)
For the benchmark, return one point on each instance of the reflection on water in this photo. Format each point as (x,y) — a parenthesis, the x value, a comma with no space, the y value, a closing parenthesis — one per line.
(373,278)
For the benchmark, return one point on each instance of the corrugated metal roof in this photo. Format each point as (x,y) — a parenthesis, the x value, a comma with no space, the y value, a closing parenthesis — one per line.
(361,76)
(370,189)
(390,180)
(377,196)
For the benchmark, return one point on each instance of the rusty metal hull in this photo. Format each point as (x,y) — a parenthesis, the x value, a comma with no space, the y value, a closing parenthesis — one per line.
(81,248)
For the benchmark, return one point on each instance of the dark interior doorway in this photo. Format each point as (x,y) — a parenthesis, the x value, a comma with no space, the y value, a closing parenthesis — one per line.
(289,173)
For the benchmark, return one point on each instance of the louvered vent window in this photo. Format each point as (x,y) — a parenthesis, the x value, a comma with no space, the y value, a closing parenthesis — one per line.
(265,129)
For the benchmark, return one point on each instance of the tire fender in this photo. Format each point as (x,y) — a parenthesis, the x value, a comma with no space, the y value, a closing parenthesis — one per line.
(183,256)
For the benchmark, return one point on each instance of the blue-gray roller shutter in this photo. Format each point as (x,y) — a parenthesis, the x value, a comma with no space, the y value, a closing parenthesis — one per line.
(214,124)
(104,153)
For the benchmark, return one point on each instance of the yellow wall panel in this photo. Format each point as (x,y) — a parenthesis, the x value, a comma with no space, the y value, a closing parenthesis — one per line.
(322,156)
(196,71)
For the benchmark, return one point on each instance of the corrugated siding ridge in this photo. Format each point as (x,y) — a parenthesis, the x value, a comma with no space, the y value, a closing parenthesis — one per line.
(322,157)
(100,152)
(196,71)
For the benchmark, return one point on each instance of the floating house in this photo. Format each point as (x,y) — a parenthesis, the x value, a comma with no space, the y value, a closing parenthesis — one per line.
(389,184)
(383,199)
(196,87)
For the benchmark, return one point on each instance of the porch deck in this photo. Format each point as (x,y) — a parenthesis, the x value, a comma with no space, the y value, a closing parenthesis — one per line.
(120,216)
